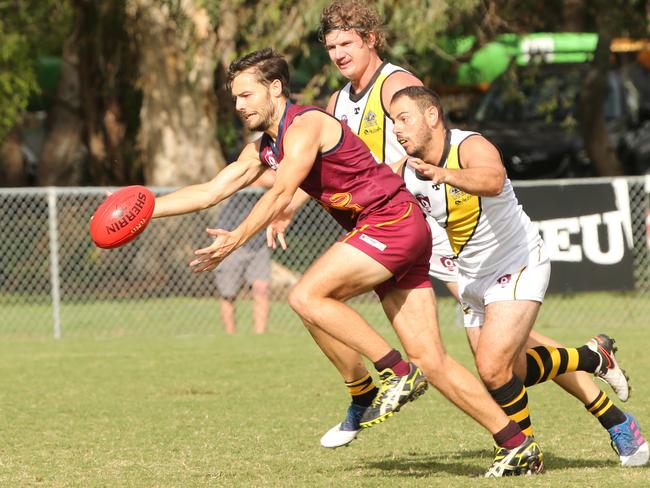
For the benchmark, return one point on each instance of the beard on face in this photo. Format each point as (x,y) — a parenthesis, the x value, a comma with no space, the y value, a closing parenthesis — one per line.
(424,138)
(265,115)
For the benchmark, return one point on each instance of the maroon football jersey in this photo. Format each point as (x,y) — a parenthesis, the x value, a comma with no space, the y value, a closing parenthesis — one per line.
(346,180)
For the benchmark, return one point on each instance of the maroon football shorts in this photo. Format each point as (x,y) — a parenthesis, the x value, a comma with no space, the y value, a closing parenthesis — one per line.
(398,237)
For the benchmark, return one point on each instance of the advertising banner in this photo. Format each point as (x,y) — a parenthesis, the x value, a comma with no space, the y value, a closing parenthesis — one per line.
(587,228)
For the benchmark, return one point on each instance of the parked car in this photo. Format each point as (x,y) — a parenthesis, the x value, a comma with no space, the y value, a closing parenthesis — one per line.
(531,113)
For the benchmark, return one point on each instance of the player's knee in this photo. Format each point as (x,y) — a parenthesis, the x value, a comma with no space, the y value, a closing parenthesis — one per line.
(492,371)
(260,287)
(432,365)
(301,301)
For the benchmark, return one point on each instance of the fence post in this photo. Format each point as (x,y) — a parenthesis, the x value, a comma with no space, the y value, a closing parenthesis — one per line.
(54,260)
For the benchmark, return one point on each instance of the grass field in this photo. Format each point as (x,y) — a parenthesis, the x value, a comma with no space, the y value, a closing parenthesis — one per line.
(248,411)
(25,317)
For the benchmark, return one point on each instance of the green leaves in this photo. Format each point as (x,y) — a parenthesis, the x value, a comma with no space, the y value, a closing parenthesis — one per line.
(27,29)
(17,78)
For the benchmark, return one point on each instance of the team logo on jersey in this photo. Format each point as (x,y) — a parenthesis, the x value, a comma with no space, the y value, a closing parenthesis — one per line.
(370,125)
(448,262)
(370,118)
(423,200)
(504,280)
(357,110)
(459,196)
(269,158)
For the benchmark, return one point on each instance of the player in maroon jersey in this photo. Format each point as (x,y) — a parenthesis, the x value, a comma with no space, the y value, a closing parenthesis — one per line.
(387,246)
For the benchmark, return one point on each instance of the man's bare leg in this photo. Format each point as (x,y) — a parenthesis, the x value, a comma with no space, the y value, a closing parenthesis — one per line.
(227,310)
(579,383)
(503,337)
(582,386)
(341,333)
(260,289)
(414,317)
(342,271)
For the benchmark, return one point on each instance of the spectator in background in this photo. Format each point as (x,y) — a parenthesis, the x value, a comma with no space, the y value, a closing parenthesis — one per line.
(249,265)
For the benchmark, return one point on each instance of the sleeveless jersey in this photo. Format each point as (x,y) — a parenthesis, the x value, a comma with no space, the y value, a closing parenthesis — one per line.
(482,231)
(346,179)
(364,112)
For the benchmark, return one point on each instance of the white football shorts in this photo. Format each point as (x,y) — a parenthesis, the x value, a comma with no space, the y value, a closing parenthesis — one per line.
(524,278)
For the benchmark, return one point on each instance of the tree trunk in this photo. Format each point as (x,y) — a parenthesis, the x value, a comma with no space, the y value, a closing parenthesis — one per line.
(594,130)
(226,47)
(178,129)
(12,165)
(574,15)
(62,158)
(107,80)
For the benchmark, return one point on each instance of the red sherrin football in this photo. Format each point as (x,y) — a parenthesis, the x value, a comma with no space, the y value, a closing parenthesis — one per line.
(122,217)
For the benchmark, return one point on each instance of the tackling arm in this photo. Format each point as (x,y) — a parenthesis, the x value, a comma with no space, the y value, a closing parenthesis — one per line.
(483,173)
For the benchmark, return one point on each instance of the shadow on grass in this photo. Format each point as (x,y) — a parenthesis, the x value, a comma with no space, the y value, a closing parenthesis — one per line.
(421,465)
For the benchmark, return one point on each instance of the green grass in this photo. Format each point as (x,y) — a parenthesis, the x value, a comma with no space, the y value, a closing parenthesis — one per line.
(161,316)
(248,411)
(31,317)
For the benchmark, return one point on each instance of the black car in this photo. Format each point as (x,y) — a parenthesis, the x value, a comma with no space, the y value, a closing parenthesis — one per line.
(531,114)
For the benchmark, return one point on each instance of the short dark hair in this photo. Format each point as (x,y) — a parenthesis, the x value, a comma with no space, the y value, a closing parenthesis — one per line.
(354,15)
(423,97)
(269,65)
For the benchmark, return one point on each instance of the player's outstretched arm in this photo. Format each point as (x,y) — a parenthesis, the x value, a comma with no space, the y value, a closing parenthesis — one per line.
(193,198)
(302,142)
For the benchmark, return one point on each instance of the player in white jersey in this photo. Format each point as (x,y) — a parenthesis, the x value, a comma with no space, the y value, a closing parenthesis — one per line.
(353,39)
(460,181)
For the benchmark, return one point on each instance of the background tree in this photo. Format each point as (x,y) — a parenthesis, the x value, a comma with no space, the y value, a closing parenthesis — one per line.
(175,42)
(17,80)
(28,29)
(142,95)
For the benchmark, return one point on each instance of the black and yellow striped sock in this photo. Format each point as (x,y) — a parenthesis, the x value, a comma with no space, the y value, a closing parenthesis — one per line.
(605,411)
(543,363)
(363,390)
(513,399)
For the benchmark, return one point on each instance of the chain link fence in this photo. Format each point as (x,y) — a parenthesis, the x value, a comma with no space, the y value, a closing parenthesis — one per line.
(55,282)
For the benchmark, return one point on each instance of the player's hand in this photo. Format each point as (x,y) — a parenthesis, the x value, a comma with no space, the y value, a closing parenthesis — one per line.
(435,173)
(210,257)
(277,228)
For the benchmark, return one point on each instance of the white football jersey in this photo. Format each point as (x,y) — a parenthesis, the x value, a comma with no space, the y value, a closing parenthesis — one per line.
(482,231)
(365,114)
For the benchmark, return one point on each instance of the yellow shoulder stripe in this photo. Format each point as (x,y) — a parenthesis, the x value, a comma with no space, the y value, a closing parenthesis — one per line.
(463,209)
(371,129)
